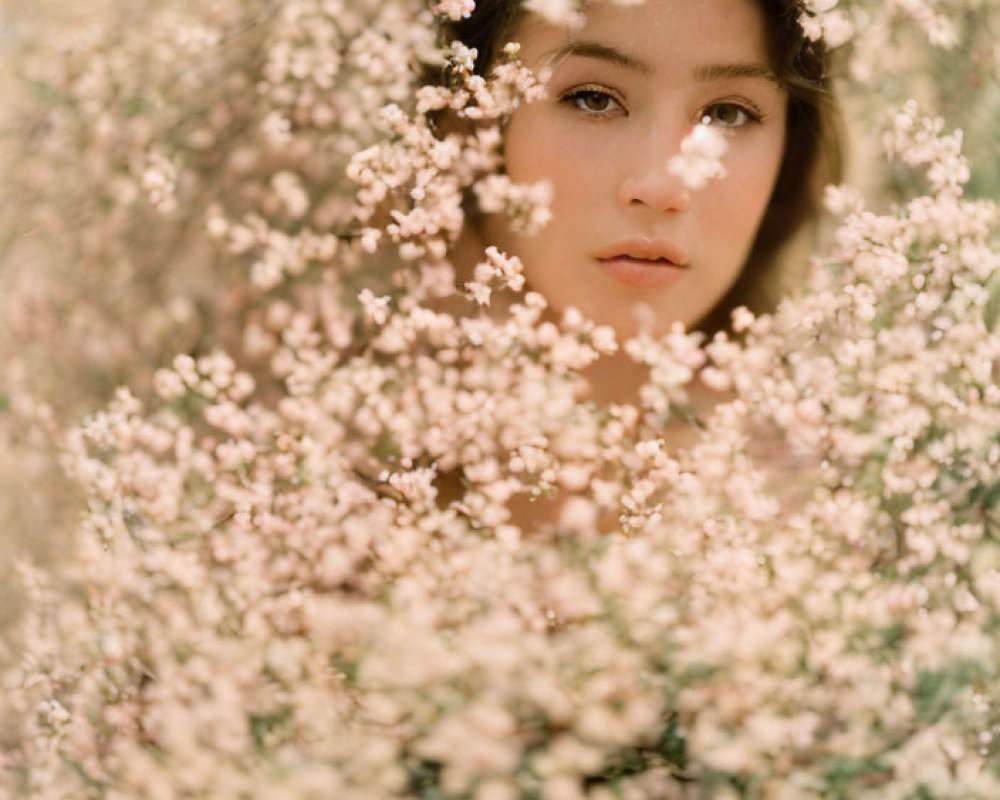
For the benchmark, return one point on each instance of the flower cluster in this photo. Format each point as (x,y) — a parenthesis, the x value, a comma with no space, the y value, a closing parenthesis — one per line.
(700,157)
(911,40)
(379,542)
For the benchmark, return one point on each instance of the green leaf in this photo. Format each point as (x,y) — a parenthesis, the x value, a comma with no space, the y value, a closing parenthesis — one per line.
(845,770)
(672,745)
(985,495)
(991,312)
(263,727)
(935,692)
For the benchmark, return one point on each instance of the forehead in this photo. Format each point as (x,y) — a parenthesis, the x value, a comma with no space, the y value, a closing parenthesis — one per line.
(664,34)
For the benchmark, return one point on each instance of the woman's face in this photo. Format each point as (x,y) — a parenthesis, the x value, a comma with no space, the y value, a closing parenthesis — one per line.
(624,91)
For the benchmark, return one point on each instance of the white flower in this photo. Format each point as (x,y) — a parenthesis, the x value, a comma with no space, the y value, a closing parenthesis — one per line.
(376,308)
(558,12)
(455,9)
(700,157)
(820,6)
(822,20)
(159,179)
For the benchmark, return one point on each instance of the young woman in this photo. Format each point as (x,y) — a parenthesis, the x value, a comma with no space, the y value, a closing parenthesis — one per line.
(629,243)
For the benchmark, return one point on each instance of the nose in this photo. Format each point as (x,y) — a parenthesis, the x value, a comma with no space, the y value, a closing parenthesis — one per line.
(648,181)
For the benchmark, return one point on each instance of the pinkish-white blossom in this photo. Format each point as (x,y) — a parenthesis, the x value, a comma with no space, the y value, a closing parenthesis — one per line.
(700,157)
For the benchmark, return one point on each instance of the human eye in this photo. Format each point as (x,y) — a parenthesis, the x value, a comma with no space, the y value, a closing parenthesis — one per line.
(593,101)
(731,115)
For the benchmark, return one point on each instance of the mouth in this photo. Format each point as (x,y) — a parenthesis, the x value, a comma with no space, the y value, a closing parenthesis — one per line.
(642,263)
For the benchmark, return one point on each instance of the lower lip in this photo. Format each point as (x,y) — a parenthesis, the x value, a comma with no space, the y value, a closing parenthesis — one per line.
(640,274)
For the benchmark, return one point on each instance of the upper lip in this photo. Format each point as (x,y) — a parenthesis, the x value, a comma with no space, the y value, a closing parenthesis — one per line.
(645,249)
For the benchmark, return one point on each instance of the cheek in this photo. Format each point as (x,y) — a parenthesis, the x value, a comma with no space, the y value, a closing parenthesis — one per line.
(744,195)
(538,147)
(524,152)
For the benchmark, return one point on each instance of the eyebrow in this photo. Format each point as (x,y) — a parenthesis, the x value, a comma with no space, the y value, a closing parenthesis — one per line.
(712,72)
(705,73)
(604,53)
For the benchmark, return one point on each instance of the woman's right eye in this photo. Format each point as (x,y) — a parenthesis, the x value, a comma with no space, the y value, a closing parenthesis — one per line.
(593,102)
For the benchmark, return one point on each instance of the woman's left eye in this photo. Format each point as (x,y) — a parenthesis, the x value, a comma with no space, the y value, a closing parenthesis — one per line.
(729,115)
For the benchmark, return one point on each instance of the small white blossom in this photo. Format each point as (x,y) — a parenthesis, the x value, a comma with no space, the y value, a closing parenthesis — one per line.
(700,157)
(455,9)
(376,308)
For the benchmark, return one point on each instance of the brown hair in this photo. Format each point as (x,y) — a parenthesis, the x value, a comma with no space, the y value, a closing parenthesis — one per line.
(813,139)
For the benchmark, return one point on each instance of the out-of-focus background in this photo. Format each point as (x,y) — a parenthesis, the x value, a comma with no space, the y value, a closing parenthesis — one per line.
(122,122)
(70,315)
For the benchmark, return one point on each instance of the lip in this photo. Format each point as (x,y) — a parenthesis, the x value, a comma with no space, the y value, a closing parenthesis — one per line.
(642,263)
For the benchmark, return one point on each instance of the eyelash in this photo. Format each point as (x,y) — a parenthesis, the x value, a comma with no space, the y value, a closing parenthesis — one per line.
(574,99)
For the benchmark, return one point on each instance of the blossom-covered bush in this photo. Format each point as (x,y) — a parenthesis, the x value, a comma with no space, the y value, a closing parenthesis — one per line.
(367,537)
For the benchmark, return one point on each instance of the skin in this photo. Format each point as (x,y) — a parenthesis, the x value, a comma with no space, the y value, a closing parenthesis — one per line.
(624,91)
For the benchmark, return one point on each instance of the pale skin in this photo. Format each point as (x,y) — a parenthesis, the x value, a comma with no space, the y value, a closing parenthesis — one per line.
(624,91)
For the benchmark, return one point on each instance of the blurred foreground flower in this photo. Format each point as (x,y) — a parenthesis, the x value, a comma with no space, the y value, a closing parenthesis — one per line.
(700,157)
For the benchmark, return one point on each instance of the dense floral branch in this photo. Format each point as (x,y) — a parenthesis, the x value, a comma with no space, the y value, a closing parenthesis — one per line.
(379,541)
